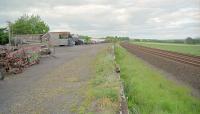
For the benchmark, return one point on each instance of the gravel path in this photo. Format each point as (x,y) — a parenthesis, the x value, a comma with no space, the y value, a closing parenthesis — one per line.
(52,86)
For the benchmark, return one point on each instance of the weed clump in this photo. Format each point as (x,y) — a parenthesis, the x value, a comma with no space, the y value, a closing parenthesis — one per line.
(103,90)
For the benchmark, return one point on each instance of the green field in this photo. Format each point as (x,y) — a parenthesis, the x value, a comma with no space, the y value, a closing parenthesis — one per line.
(149,92)
(181,48)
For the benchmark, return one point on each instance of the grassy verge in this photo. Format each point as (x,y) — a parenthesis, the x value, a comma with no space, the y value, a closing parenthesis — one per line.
(149,92)
(103,90)
(181,48)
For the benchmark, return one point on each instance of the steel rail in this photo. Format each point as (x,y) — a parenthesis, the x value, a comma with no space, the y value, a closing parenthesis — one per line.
(192,60)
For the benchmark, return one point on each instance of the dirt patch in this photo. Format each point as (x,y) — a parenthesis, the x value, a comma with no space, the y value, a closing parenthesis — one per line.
(187,74)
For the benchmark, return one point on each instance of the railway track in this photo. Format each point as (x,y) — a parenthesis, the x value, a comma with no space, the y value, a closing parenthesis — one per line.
(179,57)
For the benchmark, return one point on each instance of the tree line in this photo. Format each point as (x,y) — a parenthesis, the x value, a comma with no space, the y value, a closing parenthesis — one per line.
(87,39)
(24,25)
(116,38)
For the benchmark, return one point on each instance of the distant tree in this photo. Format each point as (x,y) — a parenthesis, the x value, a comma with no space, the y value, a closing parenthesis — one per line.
(3,36)
(189,40)
(29,25)
(116,39)
(110,39)
(196,40)
(137,40)
(124,38)
(86,39)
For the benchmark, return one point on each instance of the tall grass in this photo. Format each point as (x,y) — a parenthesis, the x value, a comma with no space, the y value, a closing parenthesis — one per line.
(102,95)
(149,92)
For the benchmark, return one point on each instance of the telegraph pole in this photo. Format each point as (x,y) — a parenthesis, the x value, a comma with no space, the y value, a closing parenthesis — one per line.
(9,32)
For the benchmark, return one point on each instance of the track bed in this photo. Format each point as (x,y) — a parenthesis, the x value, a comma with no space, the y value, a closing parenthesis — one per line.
(184,68)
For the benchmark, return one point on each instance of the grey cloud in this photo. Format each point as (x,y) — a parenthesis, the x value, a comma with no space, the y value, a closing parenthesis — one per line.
(134,18)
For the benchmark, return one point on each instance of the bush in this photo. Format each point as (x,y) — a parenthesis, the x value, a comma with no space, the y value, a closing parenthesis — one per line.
(3,36)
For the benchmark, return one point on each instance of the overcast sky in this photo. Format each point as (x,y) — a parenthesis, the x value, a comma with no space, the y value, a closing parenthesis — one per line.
(161,19)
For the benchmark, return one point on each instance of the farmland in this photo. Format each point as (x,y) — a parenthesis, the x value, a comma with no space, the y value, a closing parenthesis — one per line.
(148,90)
(181,48)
